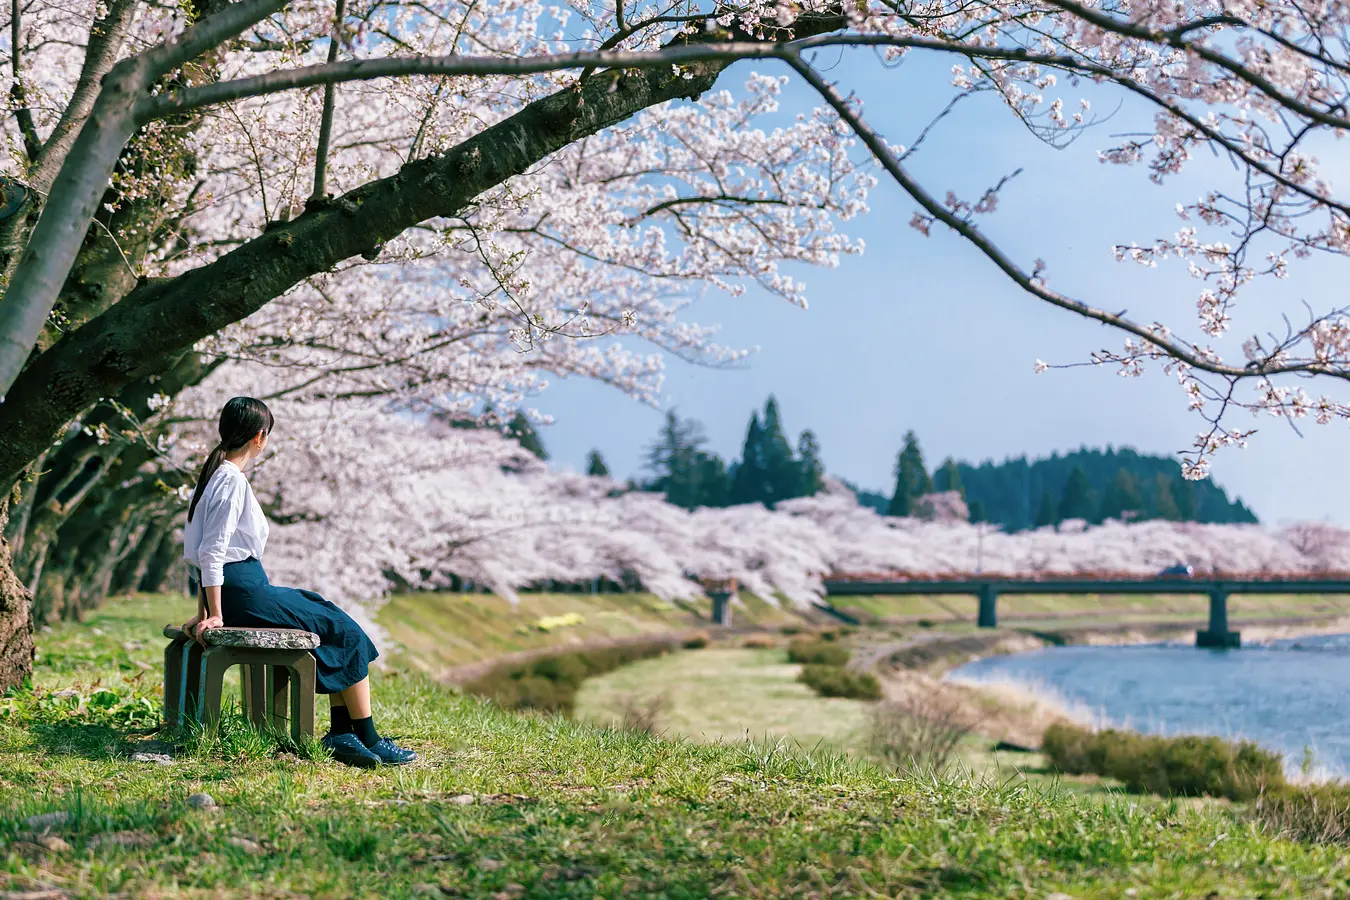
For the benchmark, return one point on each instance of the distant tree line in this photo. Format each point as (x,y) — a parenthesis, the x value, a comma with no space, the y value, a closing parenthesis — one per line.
(1092,485)
(1016,494)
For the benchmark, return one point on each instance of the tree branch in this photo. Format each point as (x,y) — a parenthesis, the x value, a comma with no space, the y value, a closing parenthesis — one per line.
(105,43)
(1177,38)
(1027,281)
(329,91)
(22,114)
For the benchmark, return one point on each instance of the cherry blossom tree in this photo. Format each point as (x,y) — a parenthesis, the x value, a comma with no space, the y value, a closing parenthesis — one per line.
(188,168)
(537,210)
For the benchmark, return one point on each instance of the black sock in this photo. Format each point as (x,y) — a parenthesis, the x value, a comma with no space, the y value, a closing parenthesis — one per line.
(341,720)
(365,730)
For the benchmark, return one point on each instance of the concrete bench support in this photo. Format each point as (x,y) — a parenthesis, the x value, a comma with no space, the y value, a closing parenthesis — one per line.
(276,671)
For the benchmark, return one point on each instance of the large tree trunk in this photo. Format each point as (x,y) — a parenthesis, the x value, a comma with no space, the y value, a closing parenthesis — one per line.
(82,481)
(129,575)
(16,619)
(165,572)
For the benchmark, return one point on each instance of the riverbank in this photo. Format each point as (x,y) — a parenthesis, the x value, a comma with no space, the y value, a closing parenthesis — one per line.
(1018,712)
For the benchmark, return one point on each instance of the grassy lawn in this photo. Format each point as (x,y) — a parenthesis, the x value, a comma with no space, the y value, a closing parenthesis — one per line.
(443,630)
(727,694)
(510,806)
(731,694)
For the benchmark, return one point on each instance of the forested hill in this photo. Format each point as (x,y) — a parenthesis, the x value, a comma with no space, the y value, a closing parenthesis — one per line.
(1087,484)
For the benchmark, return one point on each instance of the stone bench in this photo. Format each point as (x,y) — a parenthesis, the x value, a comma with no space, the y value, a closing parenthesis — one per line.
(276,670)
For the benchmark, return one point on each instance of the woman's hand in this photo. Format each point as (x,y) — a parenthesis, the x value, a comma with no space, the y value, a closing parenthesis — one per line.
(191,624)
(207,624)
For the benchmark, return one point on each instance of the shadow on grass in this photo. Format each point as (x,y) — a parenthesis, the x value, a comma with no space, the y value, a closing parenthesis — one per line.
(233,737)
(82,739)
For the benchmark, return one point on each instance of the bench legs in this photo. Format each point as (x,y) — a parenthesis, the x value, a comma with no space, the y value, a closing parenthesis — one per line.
(173,684)
(291,697)
(253,692)
(277,686)
(182,658)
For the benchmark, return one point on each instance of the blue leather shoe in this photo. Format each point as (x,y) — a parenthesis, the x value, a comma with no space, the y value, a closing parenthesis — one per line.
(348,749)
(392,754)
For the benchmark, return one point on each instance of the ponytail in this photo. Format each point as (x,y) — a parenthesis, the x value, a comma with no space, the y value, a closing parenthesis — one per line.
(242,419)
(213,461)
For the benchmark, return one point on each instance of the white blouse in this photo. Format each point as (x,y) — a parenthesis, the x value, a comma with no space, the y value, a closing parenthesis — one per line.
(228,526)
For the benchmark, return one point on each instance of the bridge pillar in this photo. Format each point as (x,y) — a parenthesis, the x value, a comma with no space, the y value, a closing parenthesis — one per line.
(1218,634)
(988,606)
(721,607)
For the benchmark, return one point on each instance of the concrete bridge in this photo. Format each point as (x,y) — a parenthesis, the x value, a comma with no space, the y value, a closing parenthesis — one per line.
(1218,634)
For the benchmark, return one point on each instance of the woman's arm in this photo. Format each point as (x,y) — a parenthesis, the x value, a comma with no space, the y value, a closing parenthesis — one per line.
(201,612)
(210,614)
(221,509)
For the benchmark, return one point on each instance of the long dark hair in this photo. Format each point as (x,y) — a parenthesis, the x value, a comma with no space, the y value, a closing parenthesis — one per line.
(240,421)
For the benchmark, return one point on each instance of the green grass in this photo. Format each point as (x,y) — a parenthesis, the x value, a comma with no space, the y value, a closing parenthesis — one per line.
(565,809)
(726,695)
(439,631)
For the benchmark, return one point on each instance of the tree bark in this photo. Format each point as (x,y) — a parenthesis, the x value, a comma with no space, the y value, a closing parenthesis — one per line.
(131,574)
(16,619)
(80,475)
(165,573)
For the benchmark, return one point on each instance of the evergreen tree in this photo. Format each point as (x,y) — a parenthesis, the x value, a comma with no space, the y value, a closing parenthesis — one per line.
(1046,514)
(811,471)
(1077,501)
(1184,493)
(714,482)
(1122,497)
(673,459)
(520,429)
(676,436)
(688,475)
(781,472)
(911,478)
(948,477)
(977,512)
(595,465)
(1164,504)
(748,480)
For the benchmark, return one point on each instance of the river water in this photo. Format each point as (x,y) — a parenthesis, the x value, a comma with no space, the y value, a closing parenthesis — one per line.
(1288,695)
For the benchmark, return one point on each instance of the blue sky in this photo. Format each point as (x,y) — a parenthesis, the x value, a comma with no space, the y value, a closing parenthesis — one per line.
(924,333)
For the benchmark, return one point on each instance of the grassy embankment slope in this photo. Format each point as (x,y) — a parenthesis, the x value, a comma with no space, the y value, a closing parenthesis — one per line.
(507,806)
(438,632)
(1061,610)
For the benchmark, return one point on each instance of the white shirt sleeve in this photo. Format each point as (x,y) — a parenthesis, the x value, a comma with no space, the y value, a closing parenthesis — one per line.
(220,508)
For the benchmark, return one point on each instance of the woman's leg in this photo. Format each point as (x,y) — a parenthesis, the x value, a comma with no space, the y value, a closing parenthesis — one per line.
(350,710)
(351,713)
(351,703)
(356,698)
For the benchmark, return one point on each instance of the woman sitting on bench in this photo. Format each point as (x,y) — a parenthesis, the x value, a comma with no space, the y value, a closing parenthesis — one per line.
(223,544)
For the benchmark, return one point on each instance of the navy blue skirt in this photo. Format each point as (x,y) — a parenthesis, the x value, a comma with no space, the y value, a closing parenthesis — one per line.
(248,600)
